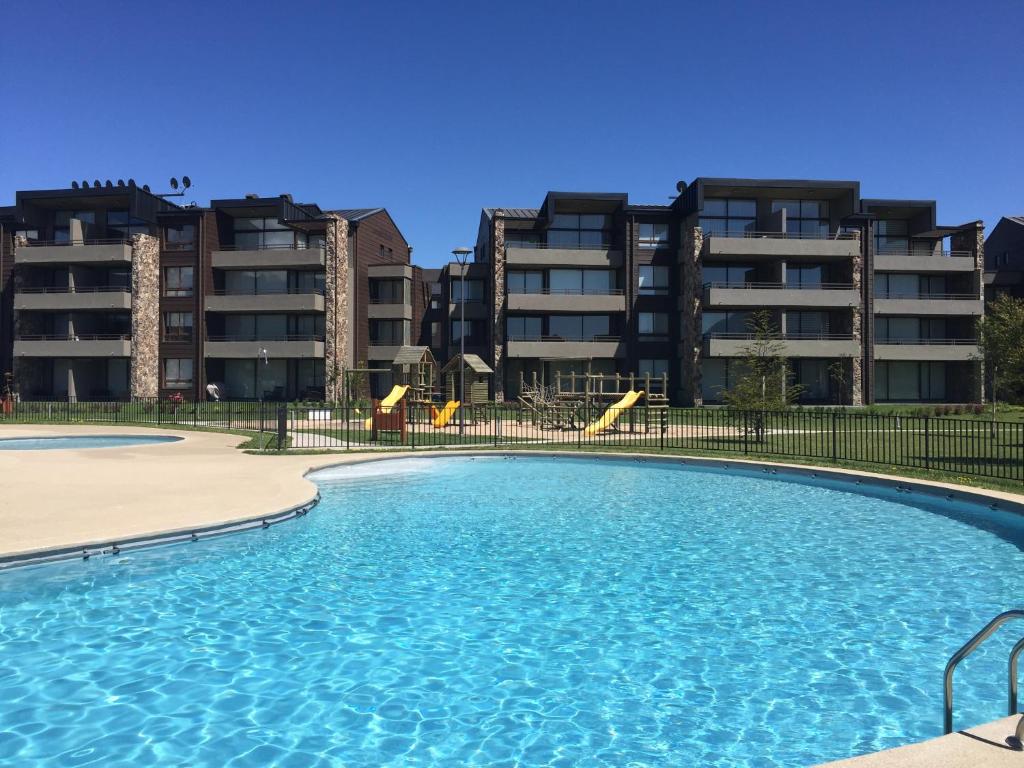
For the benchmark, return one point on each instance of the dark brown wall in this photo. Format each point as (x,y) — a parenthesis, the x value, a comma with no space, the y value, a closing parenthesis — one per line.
(6,303)
(369,235)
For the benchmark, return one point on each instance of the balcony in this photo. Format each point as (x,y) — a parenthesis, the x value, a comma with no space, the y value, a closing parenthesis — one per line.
(824,295)
(780,245)
(792,345)
(950,350)
(566,301)
(103,298)
(388,309)
(270,301)
(915,261)
(286,257)
(382,352)
(77,345)
(561,348)
(82,252)
(540,255)
(297,346)
(929,304)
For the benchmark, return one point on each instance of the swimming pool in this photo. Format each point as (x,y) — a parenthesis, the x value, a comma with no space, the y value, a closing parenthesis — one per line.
(80,441)
(573,612)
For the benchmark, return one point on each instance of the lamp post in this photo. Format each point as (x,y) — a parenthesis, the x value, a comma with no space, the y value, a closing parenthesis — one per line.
(462,257)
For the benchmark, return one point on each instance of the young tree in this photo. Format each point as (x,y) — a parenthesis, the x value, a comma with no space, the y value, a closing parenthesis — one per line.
(837,372)
(764,382)
(1001,347)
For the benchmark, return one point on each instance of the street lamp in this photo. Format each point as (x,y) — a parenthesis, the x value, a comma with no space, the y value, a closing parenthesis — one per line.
(462,257)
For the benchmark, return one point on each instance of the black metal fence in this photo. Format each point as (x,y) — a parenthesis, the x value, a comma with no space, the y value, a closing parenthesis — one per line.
(963,446)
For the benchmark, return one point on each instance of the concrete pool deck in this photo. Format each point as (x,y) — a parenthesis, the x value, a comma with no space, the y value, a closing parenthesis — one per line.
(93,498)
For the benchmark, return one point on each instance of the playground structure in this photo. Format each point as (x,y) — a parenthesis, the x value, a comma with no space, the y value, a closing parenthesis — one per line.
(416,369)
(573,397)
(476,375)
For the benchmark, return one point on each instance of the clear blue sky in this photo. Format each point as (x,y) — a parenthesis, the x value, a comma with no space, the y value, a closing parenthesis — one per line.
(438,109)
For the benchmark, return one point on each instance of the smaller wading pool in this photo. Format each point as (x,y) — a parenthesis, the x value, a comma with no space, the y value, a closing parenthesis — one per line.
(82,441)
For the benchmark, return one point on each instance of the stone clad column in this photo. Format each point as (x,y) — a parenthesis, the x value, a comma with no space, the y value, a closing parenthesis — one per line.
(338,343)
(691,302)
(857,328)
(972,240)
(498,314)
(145,359)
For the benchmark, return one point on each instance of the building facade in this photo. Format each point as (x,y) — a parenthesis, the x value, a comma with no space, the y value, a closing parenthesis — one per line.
(112,292)
(873,301)
(1004,259)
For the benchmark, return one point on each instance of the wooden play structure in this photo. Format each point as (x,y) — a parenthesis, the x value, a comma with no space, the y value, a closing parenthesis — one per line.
(416,368)
(392,420)
(477,378)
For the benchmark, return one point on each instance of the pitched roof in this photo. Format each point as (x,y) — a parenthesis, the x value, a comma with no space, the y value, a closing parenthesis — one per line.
(411,355)
(1016,219)
(356,214)
(513,213)
(475,363)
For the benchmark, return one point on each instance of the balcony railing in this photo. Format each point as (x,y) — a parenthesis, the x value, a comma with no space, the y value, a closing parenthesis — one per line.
(562,246)
(399,300)
(76,289)
(919,252)
(270,247)
(780,286)
(928,342)
(91,241)
(928,296)
(271,337)
(569,292)
(822,336)
(270,292)
(74,337)
(574,339)
(782,235)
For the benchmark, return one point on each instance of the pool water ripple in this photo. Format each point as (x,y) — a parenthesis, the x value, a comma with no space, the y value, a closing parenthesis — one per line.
(516,612)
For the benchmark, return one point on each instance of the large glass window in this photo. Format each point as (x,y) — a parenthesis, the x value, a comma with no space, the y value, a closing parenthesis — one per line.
(652,323)
(241,282)
(725,322)
(581,281)
(579,327)
(728,274)
(179,237)
(267,232)
(470,327)
(525,282)
(388,333)
(121,225)
(389,291)
(177,326)
(474,291)
(520,328)
(653,235)
(653,367)
(905,380)
(62,224)
(518,239)
(718,375)
(891,236)
(813,376)
(804,217)
(896,330)
(807,325)
(728,217)
(177,372)
(178,281)
(653,281)
(578,230)
(805,275)
(904,286)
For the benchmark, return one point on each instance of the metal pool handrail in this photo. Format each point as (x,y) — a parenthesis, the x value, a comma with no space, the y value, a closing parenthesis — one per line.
(969,648)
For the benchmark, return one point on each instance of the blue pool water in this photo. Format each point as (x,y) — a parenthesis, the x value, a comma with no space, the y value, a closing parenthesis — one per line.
(83,441)
(529,611)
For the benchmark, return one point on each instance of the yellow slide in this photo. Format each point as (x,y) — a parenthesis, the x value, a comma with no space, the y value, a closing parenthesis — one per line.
(389,402)
(443,416)
(614,411)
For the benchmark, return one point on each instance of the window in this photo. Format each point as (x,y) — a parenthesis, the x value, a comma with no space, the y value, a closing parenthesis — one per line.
(814,377)
(387,291)
(728,217)
(435,334)
(655,368)
(895,330)
(457,326)
(718,323)
(897,380)
(653,235)
(28,234)
(901,286)
(179,237)
(474,291)
(578,230)
(121,225)
(891,237)
(525,282)
(728,274)
(388,333)
(514,239)
(177,326)
(805,275)
(177,281)
(62,224)
(806,325)
(177,372)
(523,328)
(718,375)
(653,280)
(652,323)
(808,218)
(581,281)
(579,327)
(267,232)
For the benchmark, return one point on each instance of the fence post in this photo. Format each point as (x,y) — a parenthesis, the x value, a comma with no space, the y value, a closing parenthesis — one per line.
(497,423)
(282,425)
(927,444)
(835,447)
(262,443)
(412,428)
(746,431)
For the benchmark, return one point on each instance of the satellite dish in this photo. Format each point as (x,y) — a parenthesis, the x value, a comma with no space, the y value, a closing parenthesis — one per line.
(146,187)
(96,184)
(85,184)
(186,182)
(74,185)
(131,182)
(120,182)
(174,183)
(109,184)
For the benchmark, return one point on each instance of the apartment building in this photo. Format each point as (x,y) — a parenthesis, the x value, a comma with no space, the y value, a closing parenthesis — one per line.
(114,292)
(873,300)
(1004,258)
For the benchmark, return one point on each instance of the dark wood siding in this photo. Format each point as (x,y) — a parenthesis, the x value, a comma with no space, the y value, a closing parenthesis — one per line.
(376,241)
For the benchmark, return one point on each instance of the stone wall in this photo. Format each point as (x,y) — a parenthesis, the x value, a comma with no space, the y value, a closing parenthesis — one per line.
(338,346)
(145,361)
(498,315)
(972,240)
(690,308)
(856,393)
